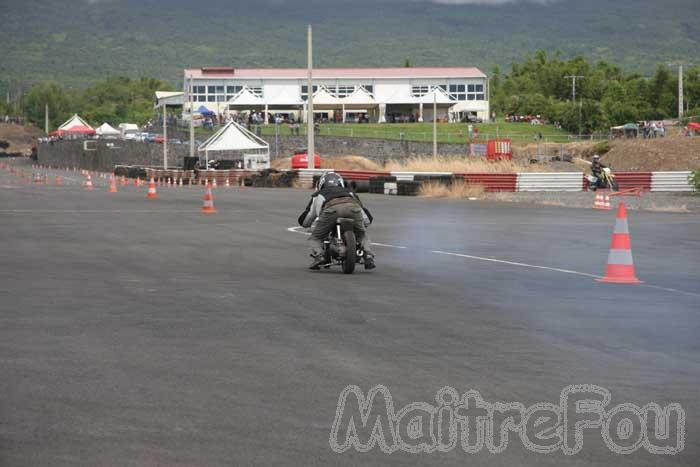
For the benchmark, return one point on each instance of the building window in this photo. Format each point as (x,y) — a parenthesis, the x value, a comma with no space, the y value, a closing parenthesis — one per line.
(369,88)
(201,98)
(256,90)
(211,98)
(419,91)
(211,89)
(233,90)
(475,92)
(458,92)
(341,91)
(305,92)
(199,89)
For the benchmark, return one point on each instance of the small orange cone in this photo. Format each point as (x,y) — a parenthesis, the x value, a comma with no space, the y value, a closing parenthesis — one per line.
(213,185)
(58,180)
(620,268)
(112,184)
(152,190)
(208,207)
(602,202)
(88,183)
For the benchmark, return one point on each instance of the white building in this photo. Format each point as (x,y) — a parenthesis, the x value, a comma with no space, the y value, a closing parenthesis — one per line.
(342,94)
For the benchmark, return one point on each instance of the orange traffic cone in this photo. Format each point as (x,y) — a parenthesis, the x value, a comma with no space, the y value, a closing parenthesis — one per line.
(602,202)
(58,180)
(208,207)
(620,269)
(112,184)
(152,190)
(88,183)
(213,185)
(228,183)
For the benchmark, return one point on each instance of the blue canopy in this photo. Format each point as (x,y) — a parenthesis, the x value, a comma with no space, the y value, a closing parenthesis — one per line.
(204,111)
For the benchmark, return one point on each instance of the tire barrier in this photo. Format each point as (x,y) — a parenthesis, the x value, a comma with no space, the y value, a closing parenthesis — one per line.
(408,188)
(377,184)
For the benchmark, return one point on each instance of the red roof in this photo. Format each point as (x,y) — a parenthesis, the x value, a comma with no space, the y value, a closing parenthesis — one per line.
(336,73)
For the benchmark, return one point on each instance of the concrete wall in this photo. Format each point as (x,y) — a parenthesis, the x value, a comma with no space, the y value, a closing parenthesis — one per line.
(104,158)
(377,149)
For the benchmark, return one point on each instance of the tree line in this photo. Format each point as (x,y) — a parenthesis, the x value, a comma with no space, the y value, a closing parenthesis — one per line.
(605,96)
(113,100)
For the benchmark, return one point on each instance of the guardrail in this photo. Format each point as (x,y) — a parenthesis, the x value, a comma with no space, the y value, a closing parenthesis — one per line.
(550,181)
(671,181)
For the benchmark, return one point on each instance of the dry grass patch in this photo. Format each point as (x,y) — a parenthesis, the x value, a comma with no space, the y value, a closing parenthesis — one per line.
(459,165)
(457,190)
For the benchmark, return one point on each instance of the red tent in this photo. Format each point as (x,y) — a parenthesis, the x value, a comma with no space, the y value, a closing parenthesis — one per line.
(74,130)
(694,126)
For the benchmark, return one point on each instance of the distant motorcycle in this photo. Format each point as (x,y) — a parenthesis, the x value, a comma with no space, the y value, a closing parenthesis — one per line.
(341,248)
(606,180)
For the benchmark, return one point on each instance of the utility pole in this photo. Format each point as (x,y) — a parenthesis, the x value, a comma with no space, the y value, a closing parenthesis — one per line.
(310,102)
(165,136)
(435,123)
(573,79)
(680,92)
(191,102)
(46,118)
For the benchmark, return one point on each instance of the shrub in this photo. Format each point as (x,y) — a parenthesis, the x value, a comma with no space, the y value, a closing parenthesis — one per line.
(602,148)
(695,179)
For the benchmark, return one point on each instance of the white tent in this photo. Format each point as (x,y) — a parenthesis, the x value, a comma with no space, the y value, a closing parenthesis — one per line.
(359,97)
(246,97)
(233,138)
(107,131)
(74,121)
(438,96)
(323,97)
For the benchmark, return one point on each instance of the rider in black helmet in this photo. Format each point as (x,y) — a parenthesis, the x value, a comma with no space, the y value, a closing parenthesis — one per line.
(333,200)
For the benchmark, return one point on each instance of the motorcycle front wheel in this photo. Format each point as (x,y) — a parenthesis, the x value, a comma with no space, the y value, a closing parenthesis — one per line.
(350,252)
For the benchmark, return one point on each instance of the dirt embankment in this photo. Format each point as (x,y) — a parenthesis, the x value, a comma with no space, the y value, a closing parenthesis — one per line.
(660,154)
(638,155)
(18,138)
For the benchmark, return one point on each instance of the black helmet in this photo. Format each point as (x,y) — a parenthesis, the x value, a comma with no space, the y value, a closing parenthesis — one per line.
(330,179)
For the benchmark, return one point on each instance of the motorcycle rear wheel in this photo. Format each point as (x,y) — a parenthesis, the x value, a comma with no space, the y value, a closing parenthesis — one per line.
(350,252)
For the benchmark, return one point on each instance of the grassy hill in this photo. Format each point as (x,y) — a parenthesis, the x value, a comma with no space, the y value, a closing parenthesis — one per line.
(78,41)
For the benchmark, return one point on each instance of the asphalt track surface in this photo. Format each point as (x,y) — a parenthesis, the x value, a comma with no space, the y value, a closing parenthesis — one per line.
(141,332)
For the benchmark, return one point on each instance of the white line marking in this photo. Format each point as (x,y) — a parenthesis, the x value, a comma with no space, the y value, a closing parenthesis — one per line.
(390,246)
(666,289)
(511,263)
(296,230)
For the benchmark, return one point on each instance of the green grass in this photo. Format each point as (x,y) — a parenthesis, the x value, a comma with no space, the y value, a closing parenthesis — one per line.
(446,132)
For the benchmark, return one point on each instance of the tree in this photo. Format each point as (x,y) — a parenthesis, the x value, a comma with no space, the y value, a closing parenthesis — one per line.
(47,93)
(407,63)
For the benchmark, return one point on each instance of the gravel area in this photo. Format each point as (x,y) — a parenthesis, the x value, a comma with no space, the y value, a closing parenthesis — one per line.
(661,202)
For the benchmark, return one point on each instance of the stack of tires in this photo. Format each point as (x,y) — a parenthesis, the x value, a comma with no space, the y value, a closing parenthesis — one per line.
(376,184)
(408,188)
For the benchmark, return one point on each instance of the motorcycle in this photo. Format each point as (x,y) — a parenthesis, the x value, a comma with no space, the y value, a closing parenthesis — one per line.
(341,248)
(606,180)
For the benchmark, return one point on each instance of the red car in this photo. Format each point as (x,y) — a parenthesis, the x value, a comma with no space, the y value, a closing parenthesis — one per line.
(301,161)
